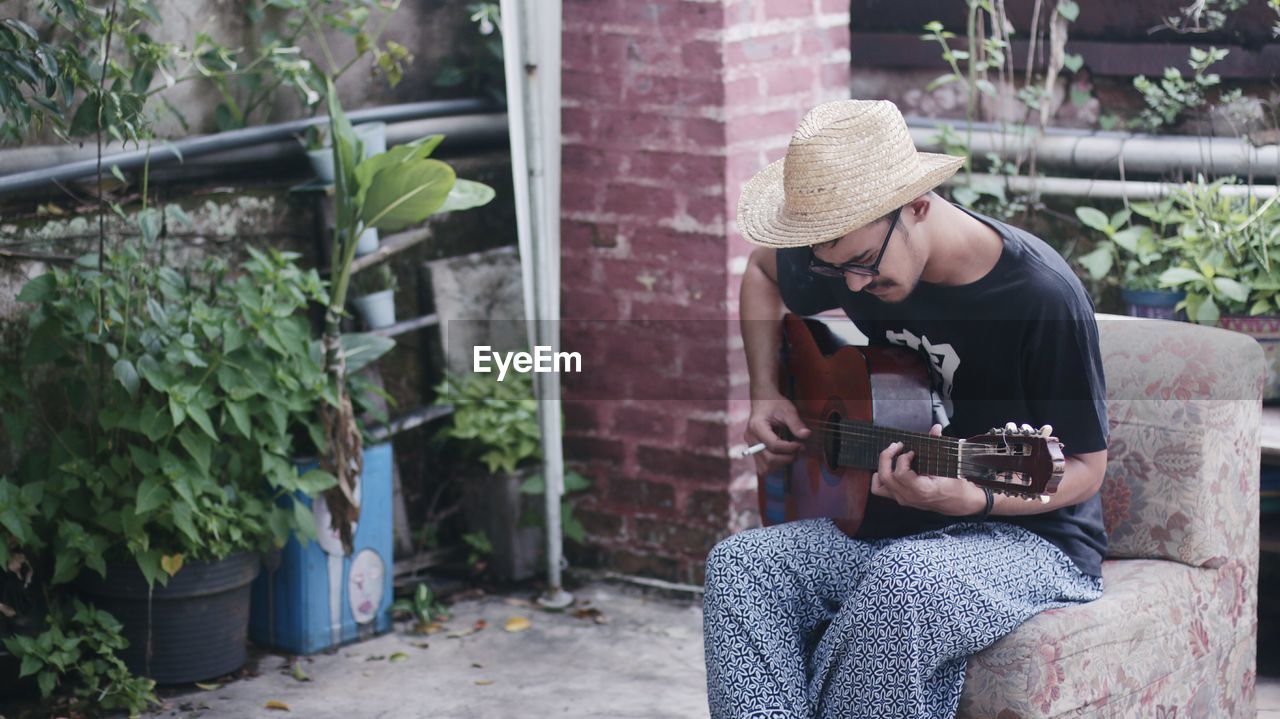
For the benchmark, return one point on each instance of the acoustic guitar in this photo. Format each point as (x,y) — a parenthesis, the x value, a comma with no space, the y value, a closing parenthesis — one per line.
(858,400)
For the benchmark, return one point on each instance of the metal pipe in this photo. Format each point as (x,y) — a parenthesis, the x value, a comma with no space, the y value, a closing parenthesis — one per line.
(192,147)
(464,132)
(1101,189)
(1086,151)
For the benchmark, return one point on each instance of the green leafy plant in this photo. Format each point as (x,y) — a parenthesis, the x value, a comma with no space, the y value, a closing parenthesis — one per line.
(159,409)
(984,68)
(388,191)
(377,279)
(249,78)
(493,422)
(479,69)
(422,607)
(1226,247)
(570,525)
(479,547)
(1138,250)
(76,656)
(1169,98)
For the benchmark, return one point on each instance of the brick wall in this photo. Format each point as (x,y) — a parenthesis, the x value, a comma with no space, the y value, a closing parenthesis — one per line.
(669,107)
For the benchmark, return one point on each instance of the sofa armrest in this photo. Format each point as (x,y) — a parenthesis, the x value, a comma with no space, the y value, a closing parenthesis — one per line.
(1184,407)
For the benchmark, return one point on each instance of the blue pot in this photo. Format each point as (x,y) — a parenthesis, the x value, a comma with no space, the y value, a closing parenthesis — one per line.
(1153,304)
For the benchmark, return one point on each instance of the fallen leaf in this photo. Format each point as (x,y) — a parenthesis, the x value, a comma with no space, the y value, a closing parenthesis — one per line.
(480,624)
(518,602)
(208,686)
(420,645)
(375,657)
(299,674)
(517,624)
(475,665)
(424,628)
(398,657)
(278,706)
(171,563)
(484,682)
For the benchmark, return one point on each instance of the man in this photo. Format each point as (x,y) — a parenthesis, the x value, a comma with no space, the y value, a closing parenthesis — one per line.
(804,621)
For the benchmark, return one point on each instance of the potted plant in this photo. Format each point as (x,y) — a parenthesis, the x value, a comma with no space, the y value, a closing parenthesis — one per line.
(389,191)
(495,425)
(375,299)
(1142,255)
(1227,264)
(159,410)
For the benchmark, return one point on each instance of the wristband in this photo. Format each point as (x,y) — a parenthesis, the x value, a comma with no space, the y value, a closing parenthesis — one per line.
(986,511)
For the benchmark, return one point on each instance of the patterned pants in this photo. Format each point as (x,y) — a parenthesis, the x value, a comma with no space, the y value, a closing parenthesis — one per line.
(801,621)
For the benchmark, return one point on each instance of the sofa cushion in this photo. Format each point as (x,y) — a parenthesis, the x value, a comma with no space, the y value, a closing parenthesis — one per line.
(1182,471)
(1075,660)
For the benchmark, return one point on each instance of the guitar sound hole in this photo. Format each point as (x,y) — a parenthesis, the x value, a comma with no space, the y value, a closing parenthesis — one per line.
(831,445)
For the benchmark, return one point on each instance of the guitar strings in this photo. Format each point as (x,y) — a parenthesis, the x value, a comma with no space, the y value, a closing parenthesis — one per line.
(950,448)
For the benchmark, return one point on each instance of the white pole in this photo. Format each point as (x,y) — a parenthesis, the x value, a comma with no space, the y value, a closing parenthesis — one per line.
(531,47)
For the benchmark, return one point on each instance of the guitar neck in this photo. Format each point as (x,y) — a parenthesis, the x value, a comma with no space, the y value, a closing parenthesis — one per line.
(861,444)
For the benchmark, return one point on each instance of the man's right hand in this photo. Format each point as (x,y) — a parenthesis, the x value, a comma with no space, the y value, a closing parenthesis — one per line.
(769,417)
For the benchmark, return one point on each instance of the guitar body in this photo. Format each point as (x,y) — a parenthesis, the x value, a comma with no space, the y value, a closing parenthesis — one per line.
(827,379)
(857,401)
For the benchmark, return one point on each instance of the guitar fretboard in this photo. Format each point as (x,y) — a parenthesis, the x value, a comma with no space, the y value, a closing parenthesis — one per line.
(861,443)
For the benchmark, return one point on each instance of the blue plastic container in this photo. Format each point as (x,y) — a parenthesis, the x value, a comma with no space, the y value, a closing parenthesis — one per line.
(319,597)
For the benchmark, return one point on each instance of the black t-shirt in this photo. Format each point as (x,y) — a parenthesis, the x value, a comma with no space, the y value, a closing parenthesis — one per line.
(1018,345)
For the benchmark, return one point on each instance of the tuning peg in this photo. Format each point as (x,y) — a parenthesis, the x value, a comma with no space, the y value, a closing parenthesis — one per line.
(1028,430)
(1046,431)
(1011,428)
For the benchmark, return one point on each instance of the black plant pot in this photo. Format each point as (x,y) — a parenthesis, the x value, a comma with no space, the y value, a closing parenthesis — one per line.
(198,626)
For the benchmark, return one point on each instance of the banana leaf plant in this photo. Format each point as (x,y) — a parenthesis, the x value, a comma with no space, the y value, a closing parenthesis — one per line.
(389,191)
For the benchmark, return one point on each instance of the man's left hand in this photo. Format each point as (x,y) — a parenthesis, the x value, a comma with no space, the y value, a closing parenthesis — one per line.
(945,495)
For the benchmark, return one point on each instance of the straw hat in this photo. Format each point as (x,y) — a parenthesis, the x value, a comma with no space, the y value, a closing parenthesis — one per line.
(850,163)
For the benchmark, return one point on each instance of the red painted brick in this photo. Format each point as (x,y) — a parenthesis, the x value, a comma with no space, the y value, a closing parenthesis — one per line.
(764,49)
(819,42)
(647,565)
(779,123)
(787,8)
(692,171)
(583,448)
(708,505)
(600,524)
(681,464)
(681,538)
(700,362)
(706,433)
(579,196)
(835,74)
(645,420)
(789,80)
(638,200)
(702,56)
(704,132)
(590,86)
(707,210)
(586,416)
(578,51)
(627,128)
(642,493)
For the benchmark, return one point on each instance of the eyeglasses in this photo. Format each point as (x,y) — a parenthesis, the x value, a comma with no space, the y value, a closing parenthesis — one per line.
(826,269)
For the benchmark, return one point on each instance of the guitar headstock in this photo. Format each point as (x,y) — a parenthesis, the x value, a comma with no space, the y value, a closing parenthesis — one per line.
(1016,461)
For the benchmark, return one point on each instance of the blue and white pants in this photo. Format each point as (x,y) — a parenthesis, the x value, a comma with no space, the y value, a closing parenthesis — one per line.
(801,621)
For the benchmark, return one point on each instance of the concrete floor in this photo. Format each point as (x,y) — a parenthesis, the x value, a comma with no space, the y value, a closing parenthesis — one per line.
(642,659)
(645,660)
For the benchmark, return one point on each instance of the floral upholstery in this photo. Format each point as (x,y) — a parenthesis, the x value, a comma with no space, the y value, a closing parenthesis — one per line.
(1174,635)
